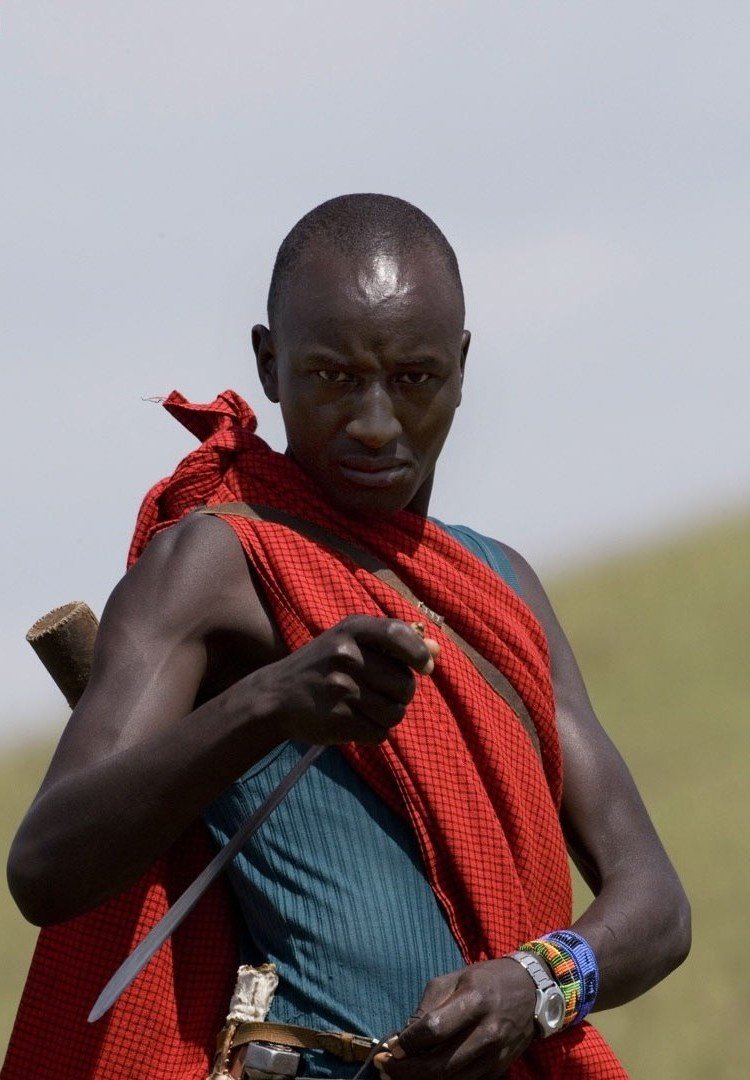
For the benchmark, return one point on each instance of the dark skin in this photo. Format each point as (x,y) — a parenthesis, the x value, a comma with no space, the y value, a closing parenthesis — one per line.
(366,356)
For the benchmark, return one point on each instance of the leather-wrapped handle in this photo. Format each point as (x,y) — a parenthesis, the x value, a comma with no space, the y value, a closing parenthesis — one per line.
(63,639)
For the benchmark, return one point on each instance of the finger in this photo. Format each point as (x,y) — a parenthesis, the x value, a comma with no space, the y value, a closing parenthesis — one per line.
(477,1054)
(434,650)
(378,716)
(432,647)
(463,1056)
(392,636)
(435,993)
(387,677)
(440,1024)
(366,717)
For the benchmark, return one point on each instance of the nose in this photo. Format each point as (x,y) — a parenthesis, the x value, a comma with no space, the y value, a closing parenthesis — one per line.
(375,423)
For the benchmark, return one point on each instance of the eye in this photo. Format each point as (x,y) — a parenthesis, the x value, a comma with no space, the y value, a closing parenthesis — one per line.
(329,376)
(413,378)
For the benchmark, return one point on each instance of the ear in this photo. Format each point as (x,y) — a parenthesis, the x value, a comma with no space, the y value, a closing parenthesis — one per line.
(265,356)
(465,343)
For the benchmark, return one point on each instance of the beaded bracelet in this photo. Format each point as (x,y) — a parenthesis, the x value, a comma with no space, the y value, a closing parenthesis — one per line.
(588,969)
(564,972)
(574,969)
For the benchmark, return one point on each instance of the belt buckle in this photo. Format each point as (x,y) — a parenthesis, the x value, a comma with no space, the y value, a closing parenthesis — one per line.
(269,1061)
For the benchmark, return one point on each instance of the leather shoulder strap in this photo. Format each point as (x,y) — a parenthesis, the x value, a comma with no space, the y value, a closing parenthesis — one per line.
(492,675)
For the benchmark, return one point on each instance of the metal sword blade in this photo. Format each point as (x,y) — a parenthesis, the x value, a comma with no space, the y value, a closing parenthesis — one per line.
(167,925)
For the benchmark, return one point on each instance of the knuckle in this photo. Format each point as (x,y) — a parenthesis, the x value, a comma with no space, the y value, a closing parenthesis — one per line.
(408,642)
(432,1025)
(493,1030)
(345,654)
(340,684)
(339,721)
(395,630)
(474,1000)
(390,715)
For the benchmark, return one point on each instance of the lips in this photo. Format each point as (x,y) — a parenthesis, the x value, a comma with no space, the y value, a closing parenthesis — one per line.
(372,464)
(373,472)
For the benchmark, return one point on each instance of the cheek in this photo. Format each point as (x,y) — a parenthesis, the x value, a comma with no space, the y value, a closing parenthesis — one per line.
(310,429)
(437,417)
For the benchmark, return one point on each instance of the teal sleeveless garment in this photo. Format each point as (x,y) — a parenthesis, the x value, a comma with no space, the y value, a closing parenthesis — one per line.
(332,890)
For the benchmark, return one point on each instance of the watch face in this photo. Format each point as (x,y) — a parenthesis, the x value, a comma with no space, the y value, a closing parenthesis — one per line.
(552,1011)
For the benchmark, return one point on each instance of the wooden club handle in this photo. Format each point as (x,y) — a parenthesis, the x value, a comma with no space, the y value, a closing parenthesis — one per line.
(63,639)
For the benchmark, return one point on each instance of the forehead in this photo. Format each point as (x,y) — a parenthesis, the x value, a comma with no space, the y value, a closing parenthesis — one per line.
(384,294)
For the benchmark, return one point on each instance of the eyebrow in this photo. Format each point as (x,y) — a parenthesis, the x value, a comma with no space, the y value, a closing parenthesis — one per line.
(340,360)
(420,359)
(336,360)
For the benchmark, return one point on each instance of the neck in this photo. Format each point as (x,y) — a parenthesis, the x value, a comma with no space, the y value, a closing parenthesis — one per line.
(420,504)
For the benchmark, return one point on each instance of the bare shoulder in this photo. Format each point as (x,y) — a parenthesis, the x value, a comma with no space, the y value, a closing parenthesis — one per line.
(193,577)
(572,700)
(531,587)
(192,588)
(533,592)
(185,622)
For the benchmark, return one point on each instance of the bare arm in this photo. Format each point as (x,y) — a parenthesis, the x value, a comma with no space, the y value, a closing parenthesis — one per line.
(473,1023)
(639,922)
(138,762)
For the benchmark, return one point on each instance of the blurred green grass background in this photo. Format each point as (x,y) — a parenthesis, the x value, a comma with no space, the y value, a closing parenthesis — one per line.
(661,636)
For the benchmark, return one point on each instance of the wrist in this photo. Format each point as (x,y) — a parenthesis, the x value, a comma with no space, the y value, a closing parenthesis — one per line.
(549,1002)
(573,966)
(263,705)
(244,724)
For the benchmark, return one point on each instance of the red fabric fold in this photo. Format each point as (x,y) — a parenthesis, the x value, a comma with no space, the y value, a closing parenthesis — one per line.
(460,767)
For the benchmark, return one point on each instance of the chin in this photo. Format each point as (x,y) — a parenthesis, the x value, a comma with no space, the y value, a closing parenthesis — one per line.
(365,505)
(367,509)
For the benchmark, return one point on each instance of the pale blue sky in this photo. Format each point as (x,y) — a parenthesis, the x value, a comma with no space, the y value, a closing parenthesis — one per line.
(590,163)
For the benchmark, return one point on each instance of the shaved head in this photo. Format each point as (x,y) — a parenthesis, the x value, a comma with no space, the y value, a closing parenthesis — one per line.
(380,225)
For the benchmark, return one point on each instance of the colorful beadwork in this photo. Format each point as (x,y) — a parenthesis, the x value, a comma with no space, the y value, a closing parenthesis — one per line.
(574,969)
(588,969)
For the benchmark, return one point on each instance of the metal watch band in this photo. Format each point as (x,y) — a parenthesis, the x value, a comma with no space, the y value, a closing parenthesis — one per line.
(534,968)
(549,1008)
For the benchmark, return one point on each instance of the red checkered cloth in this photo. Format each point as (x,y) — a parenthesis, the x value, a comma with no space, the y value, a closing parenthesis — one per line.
(460,767)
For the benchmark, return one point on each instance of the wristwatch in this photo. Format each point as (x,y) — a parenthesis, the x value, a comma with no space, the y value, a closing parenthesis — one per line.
(549,1009)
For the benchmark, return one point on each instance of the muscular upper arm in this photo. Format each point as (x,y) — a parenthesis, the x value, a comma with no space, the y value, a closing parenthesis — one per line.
(603,816)
(191,583)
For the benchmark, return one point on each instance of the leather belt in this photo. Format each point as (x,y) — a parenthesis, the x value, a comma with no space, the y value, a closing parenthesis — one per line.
(233,1040)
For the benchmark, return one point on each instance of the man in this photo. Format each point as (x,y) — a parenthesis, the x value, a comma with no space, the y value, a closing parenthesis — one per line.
(232,643)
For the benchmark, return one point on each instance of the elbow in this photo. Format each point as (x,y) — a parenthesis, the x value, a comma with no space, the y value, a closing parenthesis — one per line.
(671,927)
(30,881)
(682,932)
(25,883)
(52,879)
